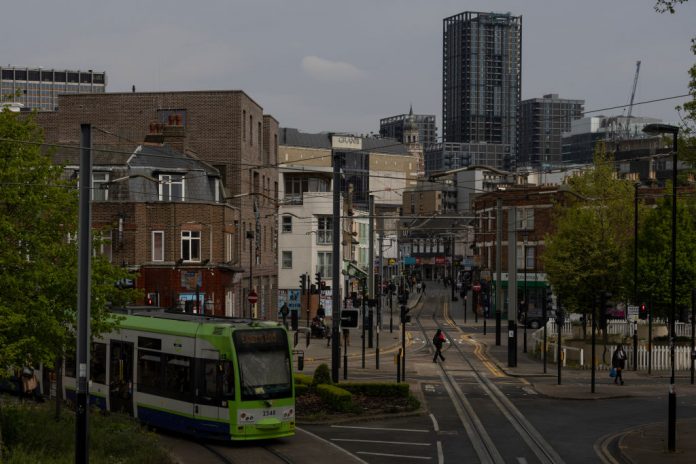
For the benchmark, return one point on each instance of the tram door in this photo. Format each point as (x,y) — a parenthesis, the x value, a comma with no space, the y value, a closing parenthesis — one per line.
(121,377)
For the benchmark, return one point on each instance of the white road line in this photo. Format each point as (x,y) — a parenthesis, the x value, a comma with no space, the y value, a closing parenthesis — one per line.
(440,453)
(379,428)
(317,437)
(522,460)
(436,427)
(427,458)
(356,440)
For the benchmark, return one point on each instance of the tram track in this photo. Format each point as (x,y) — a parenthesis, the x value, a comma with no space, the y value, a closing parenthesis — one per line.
(242,453)
(484,445)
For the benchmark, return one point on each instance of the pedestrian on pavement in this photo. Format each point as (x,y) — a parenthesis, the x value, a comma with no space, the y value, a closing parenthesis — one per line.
(618,362)
(284,311)
(419,286)
(423,288)
(438,340)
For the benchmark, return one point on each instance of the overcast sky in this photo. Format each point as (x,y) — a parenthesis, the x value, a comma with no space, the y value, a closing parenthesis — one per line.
(329,65)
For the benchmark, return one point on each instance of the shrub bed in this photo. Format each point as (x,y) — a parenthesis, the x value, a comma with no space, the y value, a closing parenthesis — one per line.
(335,397)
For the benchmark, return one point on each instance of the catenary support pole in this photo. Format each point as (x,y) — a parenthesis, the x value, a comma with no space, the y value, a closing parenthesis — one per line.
(512,287)
(498,268)
(336,269)
(83,297)
(371,270)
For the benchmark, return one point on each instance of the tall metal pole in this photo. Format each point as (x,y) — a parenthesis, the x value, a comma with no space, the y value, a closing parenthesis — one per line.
(693,334)
(672,403)
(498,267)
(635,274)
(452,284)
(380,293)
(335,266)
(250,236)
(525,308)
(371,267)
(83,296)
(594,343)
(512,287)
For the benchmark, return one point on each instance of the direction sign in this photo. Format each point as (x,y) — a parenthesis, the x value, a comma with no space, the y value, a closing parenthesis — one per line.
(253,297)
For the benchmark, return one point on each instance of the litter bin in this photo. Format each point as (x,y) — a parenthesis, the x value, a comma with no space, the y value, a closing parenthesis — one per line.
(300,359)
(293,320)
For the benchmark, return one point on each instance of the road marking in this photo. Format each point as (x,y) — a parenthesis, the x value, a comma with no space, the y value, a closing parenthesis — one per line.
(427,458)
(440,453)
(356,440)
(522,460)
(436,427)
(529,390)
(379,428)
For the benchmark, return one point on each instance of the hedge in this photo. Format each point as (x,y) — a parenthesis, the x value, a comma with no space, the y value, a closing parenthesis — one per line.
(301,389)
(302,379)
(335,397)
(383,390)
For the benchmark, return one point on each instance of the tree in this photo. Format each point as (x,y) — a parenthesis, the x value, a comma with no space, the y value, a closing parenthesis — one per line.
(38,264)
(662,6)
(589,247)
(655,254)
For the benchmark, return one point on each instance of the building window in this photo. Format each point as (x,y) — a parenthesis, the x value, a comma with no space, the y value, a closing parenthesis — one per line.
(251,130)
(287,260)
(325,230)
(244,125)
(287,224)
(100,186)
(525,262)
(525,218)
(324,264)
(171,187)
(228,247)
(190,245)
(158,245)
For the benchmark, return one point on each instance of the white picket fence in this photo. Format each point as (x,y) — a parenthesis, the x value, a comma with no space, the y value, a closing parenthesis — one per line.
(661,355)
(614,327)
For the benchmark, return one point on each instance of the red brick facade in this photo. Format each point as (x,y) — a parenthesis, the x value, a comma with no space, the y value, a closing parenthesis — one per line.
(226,129)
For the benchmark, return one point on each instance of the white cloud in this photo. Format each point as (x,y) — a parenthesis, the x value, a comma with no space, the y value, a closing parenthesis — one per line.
(326,70)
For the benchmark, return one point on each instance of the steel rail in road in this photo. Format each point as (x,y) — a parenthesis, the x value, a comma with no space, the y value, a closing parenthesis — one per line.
(226,454)
(483,444)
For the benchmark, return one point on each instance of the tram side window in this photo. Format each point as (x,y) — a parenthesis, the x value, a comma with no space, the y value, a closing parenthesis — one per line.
(69,364)
(227,381)
(216,382)
(177,376)
(149,372)
(98,363)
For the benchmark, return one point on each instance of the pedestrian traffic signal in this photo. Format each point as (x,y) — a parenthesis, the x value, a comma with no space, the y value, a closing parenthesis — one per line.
(605,307)
(349,318)
(643,312)
(303,283)
(404,314)
(403,297)
(547,302)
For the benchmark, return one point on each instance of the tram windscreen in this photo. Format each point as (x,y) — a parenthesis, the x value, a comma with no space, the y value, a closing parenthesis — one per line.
(264,364)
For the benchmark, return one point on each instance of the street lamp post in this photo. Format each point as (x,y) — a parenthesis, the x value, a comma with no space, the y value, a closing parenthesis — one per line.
(525,307)
(250,237)
(657,129)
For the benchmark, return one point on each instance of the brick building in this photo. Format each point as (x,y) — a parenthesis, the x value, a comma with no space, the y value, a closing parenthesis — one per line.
(226,130)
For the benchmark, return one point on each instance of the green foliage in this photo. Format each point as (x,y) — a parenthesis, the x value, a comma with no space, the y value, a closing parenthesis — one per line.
(662,6)
(655,254)
(322,375)
(38,265)
(375,389)
(31,434)
(302,379)
(593,239)
(302,389)
(335,397)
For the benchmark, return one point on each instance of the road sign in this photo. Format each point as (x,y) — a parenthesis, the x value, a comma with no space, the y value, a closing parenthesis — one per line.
(632,312)
(253,297)
(349,318)
(476,287)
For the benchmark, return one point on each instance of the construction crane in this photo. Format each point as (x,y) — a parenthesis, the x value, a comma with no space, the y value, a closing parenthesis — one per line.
(630,105)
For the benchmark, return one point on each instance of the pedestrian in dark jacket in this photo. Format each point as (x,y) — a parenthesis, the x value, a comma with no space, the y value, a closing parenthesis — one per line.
(423,288)
(438,340)
(618,362)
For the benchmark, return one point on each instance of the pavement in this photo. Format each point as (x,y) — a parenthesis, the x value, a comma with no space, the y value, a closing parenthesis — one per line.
(645,443)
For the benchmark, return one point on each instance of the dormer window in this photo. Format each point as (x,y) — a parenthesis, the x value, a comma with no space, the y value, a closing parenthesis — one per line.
(171,187)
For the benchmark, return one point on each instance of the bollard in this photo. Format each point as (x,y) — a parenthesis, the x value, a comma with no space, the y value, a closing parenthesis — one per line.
(300,360)
(308,336)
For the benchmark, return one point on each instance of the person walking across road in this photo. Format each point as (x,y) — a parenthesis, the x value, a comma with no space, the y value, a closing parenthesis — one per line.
(423,288)
(438,340)
(618,362)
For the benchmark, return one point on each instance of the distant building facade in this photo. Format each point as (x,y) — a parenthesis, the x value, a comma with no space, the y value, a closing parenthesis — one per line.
(481,80)
(542,123)
(393,127)
(38,88)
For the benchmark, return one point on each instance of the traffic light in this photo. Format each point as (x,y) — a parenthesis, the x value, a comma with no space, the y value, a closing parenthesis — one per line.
(303,283)
(403,297)
(349,318)
(317,280)
(404,314)
(606,306)
(643,312)
(547,303)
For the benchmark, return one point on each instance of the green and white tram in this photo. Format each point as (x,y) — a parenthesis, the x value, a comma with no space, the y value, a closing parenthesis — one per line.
(210,377)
